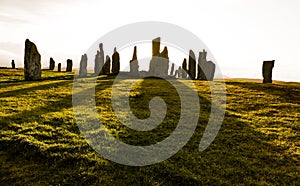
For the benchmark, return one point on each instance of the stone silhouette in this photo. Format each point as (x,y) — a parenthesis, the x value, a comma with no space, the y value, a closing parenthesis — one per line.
(13,65)
(184,69)
(172,69)
(99,61)
(134,64)
(106,67)
(267,71)
(159,63)
(59,67)
(192,65)
(32,61)
(115,62)
(206,69)
(51,64)
(69,65)
(83,66)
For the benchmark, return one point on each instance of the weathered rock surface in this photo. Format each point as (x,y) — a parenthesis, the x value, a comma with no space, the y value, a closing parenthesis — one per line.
(106,67)
(159,63)
(206,69)
(184,69)
(32,61)
(13,65)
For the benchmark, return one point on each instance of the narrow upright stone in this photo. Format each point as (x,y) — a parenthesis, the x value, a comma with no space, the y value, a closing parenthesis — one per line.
(106,67)
(32,61)
(13,65)
(51,64)
(267,71)
(115,62)
(99,61)
(59,67)
(184,69)
(83,66)
(192,65)
(134,65)
(172,69)
(69,65)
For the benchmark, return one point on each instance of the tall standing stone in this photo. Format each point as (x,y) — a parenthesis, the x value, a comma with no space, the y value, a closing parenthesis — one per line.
(184,69)
(32,62)
(172,69)
(134,65)
(69,65)
(83,66)
(99,61)
(106,67)
(159,63)
(115,62)
(59,67)
(267,71)
(192,65)
(13,65)
(51,64)
(206,69)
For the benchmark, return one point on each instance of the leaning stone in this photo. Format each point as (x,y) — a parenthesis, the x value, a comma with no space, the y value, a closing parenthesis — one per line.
(32,62)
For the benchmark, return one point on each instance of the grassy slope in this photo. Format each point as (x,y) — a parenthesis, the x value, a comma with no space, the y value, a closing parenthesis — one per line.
(41,144)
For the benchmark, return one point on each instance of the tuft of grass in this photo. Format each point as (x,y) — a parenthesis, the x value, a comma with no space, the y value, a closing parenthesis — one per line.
(40,143)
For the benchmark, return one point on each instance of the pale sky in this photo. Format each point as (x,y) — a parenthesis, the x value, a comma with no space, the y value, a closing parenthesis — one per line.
(240,34)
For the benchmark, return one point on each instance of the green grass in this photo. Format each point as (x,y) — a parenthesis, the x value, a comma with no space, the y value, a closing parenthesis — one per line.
(258,143)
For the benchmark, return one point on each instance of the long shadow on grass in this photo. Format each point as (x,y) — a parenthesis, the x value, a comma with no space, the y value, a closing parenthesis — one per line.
(238,155)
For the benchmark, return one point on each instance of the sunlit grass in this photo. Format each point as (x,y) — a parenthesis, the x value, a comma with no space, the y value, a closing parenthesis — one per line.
(40,142)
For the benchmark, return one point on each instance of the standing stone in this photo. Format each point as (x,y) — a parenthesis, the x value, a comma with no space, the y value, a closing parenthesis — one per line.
(32,62)
(134,65)
(206,69)
(115,62)
(106,67)
(184,69)
(69,65)
(59,67)
(83,66)
(267,71)
(13,65)
(51,64)
(172,69)
(192,65)
(99,61)
(159,63)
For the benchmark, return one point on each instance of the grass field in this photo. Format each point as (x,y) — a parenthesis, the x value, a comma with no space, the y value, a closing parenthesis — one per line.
(40,144)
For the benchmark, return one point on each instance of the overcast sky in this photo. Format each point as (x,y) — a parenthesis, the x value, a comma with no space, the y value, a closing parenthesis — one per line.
(241,34)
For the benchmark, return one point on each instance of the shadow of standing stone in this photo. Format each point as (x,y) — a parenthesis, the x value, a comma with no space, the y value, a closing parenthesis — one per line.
(13,65)
(69,65)
(59,67)
(51,64)
(267,71)
(32,62)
